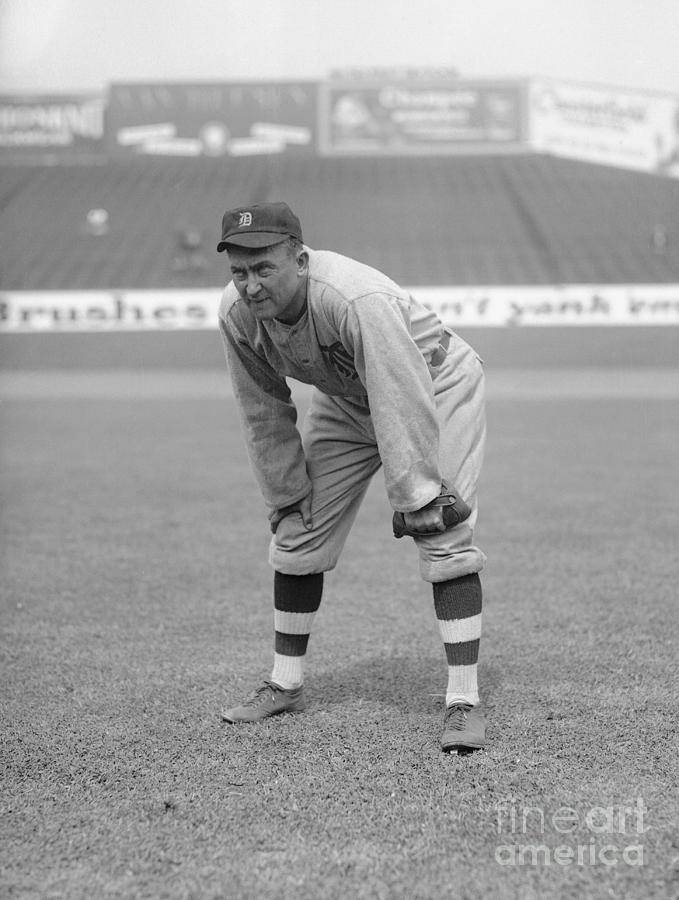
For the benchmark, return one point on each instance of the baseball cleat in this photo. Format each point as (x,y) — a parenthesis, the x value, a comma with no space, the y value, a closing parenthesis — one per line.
(464,728)
(269,699)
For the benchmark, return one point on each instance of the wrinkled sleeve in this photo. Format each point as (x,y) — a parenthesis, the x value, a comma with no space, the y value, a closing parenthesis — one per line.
(401,398)
(269,418)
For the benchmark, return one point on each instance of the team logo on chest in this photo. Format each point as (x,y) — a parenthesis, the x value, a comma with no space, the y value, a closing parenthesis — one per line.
(340,360)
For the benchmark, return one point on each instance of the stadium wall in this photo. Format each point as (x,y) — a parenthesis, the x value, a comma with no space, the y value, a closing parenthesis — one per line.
(530,348)
(524,326)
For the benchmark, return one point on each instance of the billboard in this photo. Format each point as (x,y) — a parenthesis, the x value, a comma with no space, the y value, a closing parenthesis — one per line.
(525,306)
(519,306)
(610,126)
(205,119)
(32,312)
(63,125)
(414,117)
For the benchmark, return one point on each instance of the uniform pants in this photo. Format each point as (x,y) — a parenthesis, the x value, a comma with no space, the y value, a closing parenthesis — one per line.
(342,456)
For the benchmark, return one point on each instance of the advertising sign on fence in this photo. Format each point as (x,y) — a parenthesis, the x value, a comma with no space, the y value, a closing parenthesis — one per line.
(611,126)
(410,117)
(65,126)
(521,306)
(211,119)
(29,312)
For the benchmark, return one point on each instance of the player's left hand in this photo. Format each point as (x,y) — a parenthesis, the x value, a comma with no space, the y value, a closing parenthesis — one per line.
(303,507)
(425,521)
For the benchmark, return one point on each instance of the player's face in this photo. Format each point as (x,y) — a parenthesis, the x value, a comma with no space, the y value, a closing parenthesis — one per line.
(272,281)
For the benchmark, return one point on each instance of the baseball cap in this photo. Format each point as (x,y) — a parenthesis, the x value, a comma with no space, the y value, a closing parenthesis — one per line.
(259,225)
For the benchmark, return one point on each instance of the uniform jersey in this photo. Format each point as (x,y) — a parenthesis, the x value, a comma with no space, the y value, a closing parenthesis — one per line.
(361,337)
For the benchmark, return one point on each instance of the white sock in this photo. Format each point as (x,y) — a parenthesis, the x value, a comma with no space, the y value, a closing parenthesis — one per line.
(288,671)
(462,685)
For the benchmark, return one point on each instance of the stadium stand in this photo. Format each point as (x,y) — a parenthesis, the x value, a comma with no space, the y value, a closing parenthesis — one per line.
(462,220)
(436,221)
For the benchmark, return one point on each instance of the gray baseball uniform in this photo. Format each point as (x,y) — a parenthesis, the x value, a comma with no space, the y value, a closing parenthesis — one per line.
(393,388)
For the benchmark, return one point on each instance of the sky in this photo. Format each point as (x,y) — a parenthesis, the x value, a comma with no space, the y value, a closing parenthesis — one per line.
(61,46)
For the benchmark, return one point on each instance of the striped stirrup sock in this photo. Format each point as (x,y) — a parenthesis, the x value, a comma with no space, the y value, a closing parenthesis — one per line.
(296,600)
(457,604)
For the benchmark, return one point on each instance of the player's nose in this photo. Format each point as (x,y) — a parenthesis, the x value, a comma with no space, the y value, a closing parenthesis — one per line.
(253,286)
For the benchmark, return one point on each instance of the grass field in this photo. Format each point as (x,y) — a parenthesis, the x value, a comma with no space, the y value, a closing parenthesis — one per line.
(136,600)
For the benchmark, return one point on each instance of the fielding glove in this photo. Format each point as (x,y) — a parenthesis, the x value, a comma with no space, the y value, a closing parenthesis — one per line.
(453,510)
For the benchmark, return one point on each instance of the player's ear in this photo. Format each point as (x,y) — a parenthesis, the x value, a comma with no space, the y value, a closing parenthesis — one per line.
(302,260)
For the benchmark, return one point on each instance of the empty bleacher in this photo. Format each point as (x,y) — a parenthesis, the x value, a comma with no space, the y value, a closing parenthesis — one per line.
(435,221)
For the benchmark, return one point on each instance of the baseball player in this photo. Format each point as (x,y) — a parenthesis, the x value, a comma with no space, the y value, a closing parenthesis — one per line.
(393,388)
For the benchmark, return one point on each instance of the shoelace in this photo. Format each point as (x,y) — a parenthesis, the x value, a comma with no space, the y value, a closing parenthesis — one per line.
(456,717)
(261,694)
